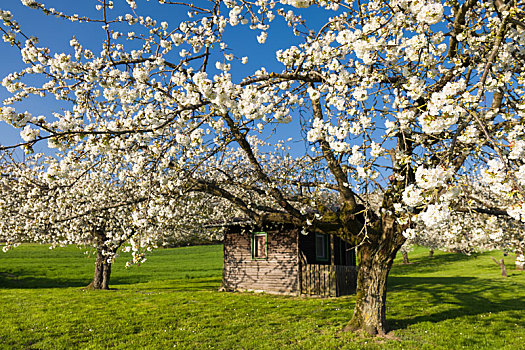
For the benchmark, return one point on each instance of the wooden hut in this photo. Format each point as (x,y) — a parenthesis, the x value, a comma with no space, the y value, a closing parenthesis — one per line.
(280,259)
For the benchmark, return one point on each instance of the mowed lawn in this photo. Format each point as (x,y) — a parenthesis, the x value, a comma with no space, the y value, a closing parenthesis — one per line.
(451,301)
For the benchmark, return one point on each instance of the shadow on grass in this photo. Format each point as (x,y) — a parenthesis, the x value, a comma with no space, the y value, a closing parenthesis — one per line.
(453,297)
(11,281)
(427,264)
(176,284)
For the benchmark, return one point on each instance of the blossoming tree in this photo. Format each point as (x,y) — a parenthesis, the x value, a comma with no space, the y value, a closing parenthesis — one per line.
(401,97)
(94,203)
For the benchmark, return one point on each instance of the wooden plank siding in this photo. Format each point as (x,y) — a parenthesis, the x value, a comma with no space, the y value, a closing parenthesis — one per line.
(278,273)
(328,280)
(290,266)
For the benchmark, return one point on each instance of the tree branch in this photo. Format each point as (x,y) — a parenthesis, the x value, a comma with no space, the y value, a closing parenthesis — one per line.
(272,189)
(334,166)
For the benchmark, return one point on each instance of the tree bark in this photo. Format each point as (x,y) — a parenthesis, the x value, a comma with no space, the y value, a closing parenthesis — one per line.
(519,262)
(106,274)
(370,306)
(501,264)
(102,273)
(405,257)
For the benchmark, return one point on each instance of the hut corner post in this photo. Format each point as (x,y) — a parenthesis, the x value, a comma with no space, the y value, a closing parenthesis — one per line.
(299,266)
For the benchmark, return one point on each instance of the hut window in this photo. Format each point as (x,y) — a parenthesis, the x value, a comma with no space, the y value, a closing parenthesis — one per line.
(259,245)
(321,247)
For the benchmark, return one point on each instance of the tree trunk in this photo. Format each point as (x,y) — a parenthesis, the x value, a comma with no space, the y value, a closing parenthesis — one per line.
(431,253)
(405,257)
(501,264)
(370,305)
(102,272)
(106,273)
(519,260)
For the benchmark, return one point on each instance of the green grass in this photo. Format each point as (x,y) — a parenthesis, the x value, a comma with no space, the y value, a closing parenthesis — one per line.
(448,302)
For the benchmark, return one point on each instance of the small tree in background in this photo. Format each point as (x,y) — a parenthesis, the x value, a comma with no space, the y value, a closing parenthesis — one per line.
(95,204)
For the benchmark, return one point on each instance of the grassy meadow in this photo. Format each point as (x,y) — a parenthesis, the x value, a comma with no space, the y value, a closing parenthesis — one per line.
(451,301)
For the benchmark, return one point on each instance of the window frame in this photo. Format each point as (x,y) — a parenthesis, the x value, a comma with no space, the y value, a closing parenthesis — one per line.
(326,249)
(252,245)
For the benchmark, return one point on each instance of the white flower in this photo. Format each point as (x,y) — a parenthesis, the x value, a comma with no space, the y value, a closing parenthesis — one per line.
(517,212)
(409,233)
(140,74)
(430,13)
(376,150)
(297,3)
(347,37)
(339,146)
(361,172)
(496,177)
(177,38)
(314,135)
(363,49)
(520,175)
(360,94)
(435,215)
(29,3)
(450,194)
(517,150)
(234,15)
(222,66)
(412,196)
(470,134)
(390,126)
(6,15)
(28,134)
(357,157)
(431,177)
(261,38)
(496,235)
(405,118)
(314,94)
(182,139)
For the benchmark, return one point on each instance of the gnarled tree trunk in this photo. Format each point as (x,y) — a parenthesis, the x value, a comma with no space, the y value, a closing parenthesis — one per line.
(376,259)
(369,311)
(102,272)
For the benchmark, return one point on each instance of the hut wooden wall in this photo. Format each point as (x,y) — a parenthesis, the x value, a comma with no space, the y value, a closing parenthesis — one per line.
(328,280)
(277,274)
